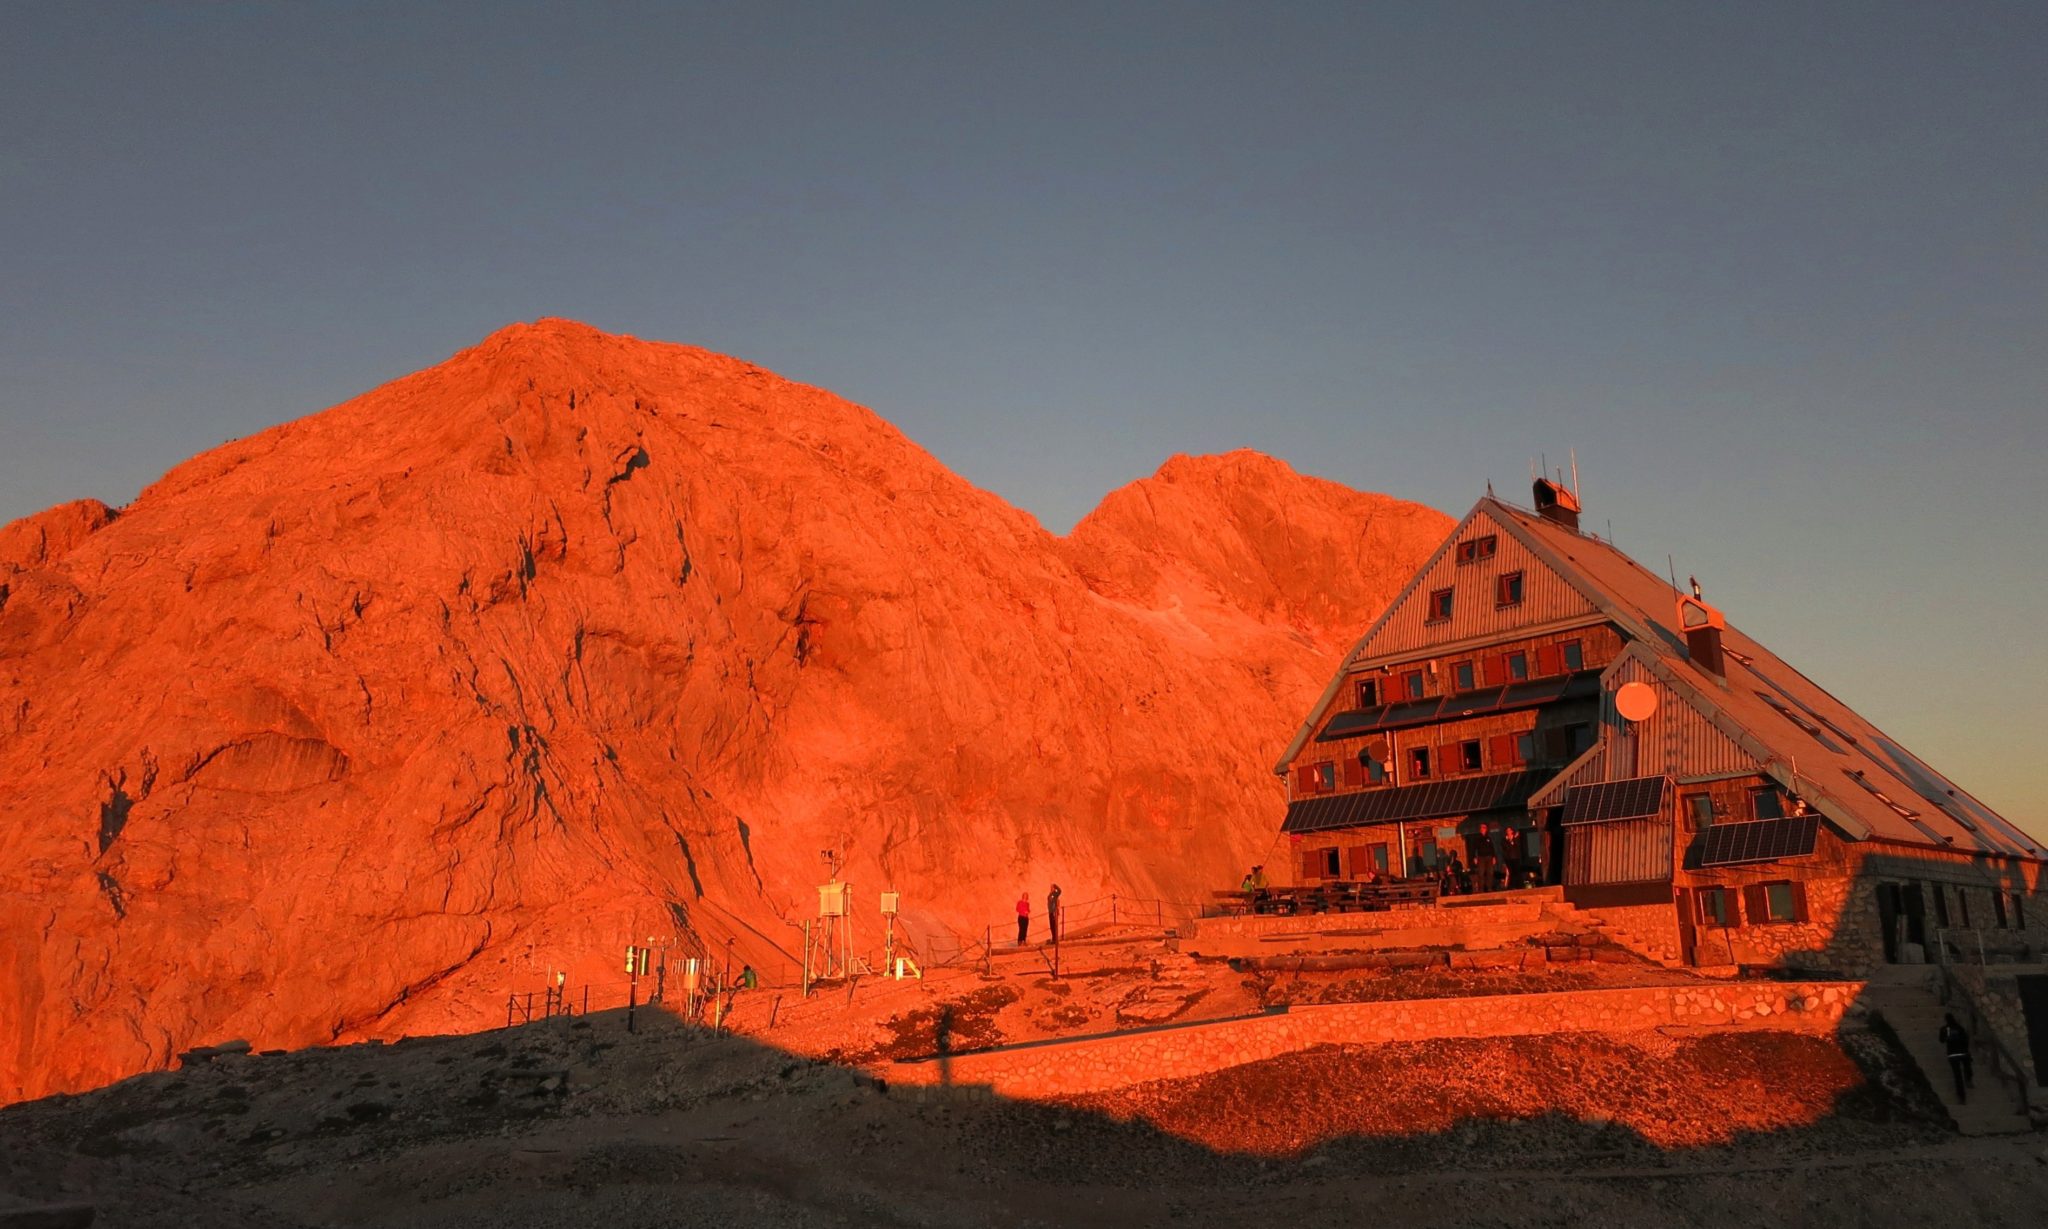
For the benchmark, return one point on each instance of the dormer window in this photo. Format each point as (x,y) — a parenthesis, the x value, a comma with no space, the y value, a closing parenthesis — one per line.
(1478,550)
(1464,676)
(1440,601)
(1368,693)
(1507,590)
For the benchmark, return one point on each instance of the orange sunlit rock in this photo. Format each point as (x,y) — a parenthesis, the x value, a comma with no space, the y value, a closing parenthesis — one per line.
(352,727)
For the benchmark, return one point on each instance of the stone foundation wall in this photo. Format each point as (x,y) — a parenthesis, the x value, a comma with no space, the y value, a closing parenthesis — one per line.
(1414,917)
(1070,1068)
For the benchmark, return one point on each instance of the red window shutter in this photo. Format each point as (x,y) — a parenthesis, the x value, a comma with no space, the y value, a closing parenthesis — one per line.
(1446,760)
(1798,901)
(1502,751)
(1353,774)
(1734,907)
(1496,670)
(1756,903)
(1311,864)
(1305,779)
(1549,660)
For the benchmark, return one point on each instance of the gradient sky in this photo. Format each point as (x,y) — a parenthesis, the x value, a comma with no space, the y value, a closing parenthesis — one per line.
(1777,272)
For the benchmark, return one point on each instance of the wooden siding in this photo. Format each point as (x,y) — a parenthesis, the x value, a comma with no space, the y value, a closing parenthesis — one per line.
(1546,598)
(1630,851)
(1676,741)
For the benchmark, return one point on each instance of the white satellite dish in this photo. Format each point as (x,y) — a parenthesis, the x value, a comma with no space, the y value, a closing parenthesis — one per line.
(1635,701)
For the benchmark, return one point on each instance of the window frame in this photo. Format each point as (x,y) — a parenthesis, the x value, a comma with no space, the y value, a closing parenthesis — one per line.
(1418,764)
(1758,794)
(1794,911)
(1367,693)
(1443,603)
(1477,549)
(1573,654)
(1465,675)
(1510,663)
(1501,584)
(1413,685)
(1472,755)
(1716,920)
(1697,819)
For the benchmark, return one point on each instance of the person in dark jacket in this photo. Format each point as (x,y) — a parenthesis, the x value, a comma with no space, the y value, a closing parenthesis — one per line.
(1957,1042)
(1052,912)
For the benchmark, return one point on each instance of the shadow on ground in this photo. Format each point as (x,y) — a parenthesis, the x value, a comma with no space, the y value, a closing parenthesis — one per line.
(577,1122)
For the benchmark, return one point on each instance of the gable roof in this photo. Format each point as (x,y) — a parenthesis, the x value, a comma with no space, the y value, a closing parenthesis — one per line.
(1865,783)
(1806,739)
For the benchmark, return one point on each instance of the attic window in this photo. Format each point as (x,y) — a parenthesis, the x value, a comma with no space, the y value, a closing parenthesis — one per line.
(1463,674)
(1507,591)
(1368,693)
(1440,605)
(1477,550)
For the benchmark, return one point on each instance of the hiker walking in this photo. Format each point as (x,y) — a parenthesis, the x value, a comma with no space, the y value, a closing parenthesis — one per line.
(1052,912)
(1957,1042)
(1023,916)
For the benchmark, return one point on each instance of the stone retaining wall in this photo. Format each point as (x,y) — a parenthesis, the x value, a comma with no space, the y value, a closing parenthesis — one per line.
(1069,1068)
(1406,917)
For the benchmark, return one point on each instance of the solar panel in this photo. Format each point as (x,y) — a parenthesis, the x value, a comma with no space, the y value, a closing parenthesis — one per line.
(1636,798)
(1763,840)
(1531,694)
(1430,800)
(1351,724)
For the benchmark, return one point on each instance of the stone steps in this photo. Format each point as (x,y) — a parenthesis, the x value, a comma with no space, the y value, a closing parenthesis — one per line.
(1915,1014)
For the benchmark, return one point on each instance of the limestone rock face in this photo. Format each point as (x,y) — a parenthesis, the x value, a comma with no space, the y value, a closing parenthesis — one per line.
(353,727)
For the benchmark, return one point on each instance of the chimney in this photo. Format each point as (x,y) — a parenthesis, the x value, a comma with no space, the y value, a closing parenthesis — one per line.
(1702,625)
(1555,503)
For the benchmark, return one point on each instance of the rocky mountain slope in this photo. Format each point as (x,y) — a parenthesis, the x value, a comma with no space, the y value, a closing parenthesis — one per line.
(351,727)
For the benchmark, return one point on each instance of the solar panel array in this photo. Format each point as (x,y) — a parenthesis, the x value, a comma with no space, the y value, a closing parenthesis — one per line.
(1530,694)
(1763,840)
(1636,798)
(1430,800)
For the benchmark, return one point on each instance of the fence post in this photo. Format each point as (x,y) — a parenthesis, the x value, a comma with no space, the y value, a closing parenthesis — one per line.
(988,950)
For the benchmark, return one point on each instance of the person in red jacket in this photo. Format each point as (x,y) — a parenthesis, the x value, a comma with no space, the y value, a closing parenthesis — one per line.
(1023,916)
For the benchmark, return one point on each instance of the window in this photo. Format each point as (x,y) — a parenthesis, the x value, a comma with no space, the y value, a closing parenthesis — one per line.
(1411,684)
(1766,803)
(1468,753)
(2019,913)
(1699,812)
(1998,907)
(1574,655)
(1332,868)
(1375,771)
(1418,763)
(1368,693)
(1717,908)
(1315,778)
(1475,550)
(1940,896)
(1963,908)
(1507,590)
(1440,605)
(1525,747)
(1505,751)
(1518,666)
(1775,903)
(1578,739)
(1463,673)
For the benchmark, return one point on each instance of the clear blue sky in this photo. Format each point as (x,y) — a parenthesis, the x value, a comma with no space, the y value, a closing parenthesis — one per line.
(1778,272)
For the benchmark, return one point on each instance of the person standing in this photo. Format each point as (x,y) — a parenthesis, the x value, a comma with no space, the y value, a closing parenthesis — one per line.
(1052,912)
(1957,1042)
(1023,916)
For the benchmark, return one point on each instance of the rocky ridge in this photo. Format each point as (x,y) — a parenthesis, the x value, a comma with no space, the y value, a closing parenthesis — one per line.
(349,728)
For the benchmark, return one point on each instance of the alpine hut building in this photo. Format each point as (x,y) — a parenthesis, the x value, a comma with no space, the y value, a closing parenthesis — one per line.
(1542,708)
